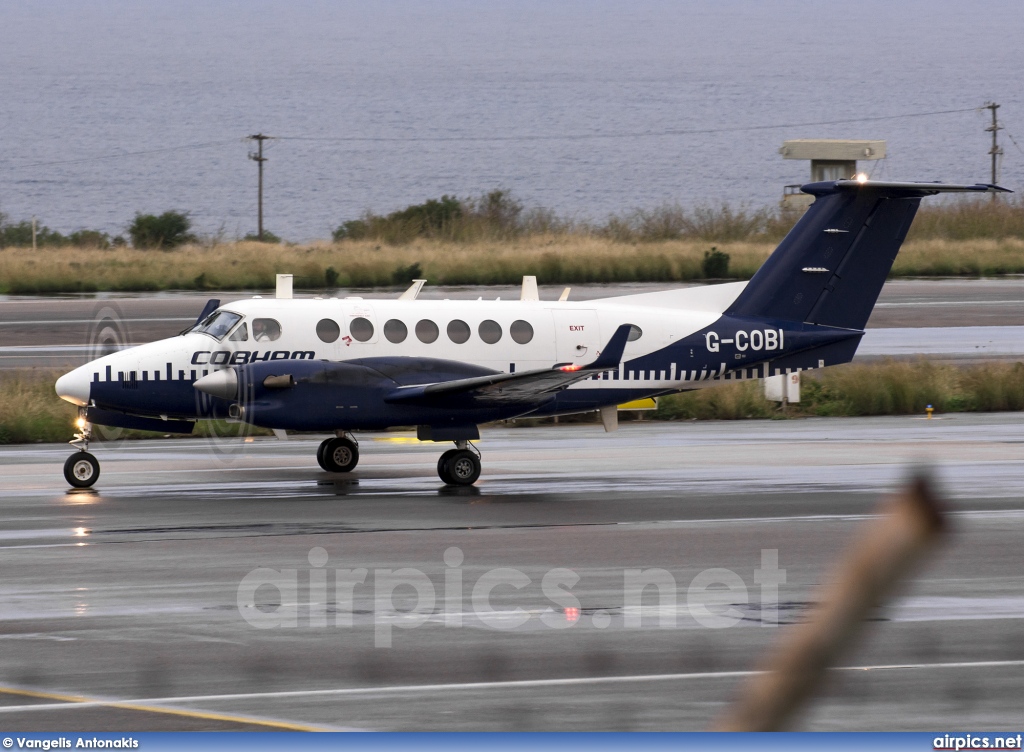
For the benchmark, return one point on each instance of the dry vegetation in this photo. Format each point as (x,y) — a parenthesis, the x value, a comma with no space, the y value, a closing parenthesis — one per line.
(31,412)
(493,240)
(555,259)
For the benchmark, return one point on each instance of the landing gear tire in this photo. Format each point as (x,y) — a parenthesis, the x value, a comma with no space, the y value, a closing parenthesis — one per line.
(442,467)
(462,468)
(81,470)
(320,453)
(339,455)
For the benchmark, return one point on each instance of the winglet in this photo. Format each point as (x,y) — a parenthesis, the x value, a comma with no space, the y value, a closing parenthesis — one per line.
(611,355)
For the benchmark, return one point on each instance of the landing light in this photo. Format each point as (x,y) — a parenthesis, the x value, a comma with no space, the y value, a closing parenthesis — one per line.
(80,423)
(862,177)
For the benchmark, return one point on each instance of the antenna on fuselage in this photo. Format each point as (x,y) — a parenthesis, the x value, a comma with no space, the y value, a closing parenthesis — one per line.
(284,286)
(414,290)
(529,291)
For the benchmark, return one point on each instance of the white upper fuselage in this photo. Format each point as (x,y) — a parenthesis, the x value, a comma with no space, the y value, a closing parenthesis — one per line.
(557,332)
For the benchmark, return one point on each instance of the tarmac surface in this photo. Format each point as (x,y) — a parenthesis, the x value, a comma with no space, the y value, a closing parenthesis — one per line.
(57,331)
(146,603)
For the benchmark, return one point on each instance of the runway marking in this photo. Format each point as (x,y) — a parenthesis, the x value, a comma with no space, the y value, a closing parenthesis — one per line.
(46,322)
(77,702)
(153,703)
(915,304)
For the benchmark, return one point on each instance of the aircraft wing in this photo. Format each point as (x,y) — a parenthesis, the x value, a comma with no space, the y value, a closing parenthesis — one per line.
(526,386)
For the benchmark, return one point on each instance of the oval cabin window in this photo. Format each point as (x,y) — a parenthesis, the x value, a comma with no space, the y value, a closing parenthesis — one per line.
(426,331)
(521,331)
(361,329)
(490,331)
(458,331)
(395,331)
(327,330)
(265,330)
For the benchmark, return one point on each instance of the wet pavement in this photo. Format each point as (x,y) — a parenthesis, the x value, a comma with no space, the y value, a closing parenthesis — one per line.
(156,600)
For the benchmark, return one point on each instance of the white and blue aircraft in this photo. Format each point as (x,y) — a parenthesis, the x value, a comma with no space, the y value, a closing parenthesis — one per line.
(344,365)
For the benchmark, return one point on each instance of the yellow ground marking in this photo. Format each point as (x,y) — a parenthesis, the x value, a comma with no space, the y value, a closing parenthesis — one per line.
(201,715)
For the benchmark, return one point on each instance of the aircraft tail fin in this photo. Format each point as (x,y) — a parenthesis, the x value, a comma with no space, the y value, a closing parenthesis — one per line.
(830,268)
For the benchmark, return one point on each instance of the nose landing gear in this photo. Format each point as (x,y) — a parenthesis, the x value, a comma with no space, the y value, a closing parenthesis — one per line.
(81,469)
(340,454)
(460,466)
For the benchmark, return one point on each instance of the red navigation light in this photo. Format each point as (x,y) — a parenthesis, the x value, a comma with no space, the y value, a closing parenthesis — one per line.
(570,368)
(572,614)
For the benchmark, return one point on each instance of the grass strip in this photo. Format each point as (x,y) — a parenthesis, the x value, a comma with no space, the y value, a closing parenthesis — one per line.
(554,259)
(31,412)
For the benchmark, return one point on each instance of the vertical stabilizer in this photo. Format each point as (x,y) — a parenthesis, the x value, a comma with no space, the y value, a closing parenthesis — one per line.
(830,268)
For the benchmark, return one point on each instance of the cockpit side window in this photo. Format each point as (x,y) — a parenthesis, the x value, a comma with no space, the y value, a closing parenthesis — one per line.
(218,324)
(241,334)
(265,330)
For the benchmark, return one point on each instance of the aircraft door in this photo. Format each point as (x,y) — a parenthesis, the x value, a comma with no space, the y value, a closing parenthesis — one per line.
(577,336)
(360,329)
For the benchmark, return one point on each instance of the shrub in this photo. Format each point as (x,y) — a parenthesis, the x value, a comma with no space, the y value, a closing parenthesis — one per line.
(354,229)
(495,215)
(89,239)
(403,275)
(165,231)
(331,276)
(20,235)
(268,237)
(715,264)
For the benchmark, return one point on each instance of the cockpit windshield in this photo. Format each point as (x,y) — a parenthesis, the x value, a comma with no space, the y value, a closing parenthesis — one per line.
(217,324)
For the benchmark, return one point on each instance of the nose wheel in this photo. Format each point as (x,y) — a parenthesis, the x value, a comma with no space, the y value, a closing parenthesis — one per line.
(81,469)
(338,455)
(460,466)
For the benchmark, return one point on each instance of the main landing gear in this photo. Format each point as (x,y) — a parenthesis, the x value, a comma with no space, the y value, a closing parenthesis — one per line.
(460,466)
(340,454)
(81,469)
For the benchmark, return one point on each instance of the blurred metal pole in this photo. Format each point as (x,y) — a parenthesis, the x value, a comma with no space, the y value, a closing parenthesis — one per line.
(884,553)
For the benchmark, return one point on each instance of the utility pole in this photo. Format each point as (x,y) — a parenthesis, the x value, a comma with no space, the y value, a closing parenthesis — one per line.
(259,159)
(995,151)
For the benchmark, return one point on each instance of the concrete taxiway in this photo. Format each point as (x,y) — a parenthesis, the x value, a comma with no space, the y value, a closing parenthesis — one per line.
(127,607)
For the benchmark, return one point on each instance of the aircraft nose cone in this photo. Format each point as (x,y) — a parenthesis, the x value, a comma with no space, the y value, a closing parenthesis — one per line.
(223,384)
(74,387)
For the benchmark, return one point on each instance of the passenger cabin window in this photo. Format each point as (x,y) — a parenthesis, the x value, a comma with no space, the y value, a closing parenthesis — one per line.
(489,331)
(361,329)
(241,334)
(521,331)
(266,330)
(635,333)
(458,331)
(218,324)
(427,331)
(395,331)
(327,330)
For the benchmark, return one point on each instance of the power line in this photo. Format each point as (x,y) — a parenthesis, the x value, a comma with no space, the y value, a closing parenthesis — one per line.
(636,134)
(526,137)
(121,155)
